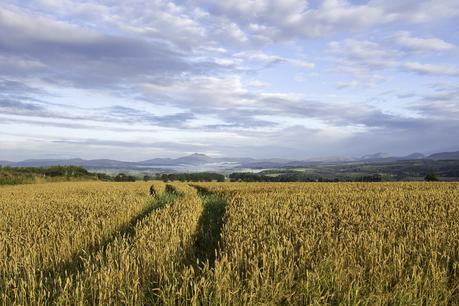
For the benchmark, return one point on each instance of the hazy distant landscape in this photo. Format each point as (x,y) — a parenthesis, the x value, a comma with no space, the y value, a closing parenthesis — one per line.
(415,166)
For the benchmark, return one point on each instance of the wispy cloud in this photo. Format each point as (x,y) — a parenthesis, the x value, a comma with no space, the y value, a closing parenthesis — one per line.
(446,69)
(406,40)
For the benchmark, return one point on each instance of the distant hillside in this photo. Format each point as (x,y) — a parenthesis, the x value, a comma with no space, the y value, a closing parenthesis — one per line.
(415,156)
(95,163)
(445,156)
(194,159)
(200,162)
(27,175)
(377,157)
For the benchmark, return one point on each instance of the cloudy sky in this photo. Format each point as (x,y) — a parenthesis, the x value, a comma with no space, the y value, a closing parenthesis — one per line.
(133,80)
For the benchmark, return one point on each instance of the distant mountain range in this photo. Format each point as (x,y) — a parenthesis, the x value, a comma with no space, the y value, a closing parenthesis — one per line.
(445,156)
(202,162)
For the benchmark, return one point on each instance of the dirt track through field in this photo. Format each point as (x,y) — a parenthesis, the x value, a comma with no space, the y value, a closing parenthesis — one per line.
(209,228)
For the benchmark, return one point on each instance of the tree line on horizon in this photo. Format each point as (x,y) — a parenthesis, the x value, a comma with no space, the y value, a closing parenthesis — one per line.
(23,175)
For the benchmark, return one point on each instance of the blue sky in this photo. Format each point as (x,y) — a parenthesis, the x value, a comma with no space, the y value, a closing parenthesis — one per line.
(133,80)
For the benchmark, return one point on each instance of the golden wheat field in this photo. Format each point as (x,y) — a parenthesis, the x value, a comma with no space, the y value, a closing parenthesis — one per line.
(95,243)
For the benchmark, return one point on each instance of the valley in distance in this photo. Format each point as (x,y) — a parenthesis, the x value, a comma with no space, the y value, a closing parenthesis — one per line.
(200,167)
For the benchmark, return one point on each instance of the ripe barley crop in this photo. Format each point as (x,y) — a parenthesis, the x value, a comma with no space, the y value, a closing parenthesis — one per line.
(230,244)
(43,227)
(394,243)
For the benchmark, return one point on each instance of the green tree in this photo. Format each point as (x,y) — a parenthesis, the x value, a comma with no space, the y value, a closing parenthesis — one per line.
(431,177)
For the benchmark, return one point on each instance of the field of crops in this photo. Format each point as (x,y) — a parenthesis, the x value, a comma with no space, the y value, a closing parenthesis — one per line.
(143,243)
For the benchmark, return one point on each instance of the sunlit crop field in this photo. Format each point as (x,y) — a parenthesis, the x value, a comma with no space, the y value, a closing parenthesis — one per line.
(100,243)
